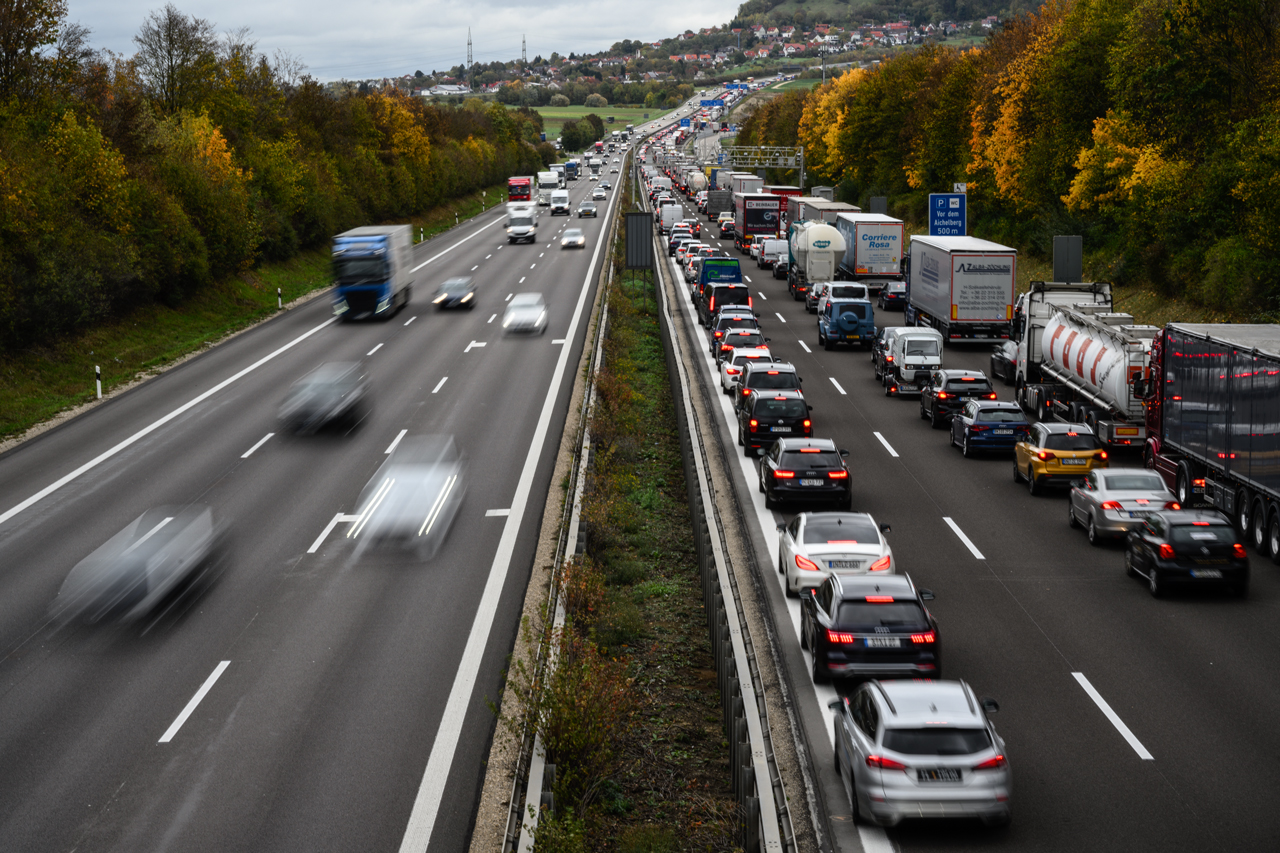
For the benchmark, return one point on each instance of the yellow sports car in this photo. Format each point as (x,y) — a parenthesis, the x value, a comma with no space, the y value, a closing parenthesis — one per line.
(1056,454)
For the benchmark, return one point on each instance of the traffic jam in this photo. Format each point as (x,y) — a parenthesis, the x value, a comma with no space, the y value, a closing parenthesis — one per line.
(1158,441)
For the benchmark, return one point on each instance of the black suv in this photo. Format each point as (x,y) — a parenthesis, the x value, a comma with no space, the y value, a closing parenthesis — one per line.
(805,469)
(860,625)
(1187,547)
(771,376)
(717,295)
(948,391)
(766,416)
(725,322)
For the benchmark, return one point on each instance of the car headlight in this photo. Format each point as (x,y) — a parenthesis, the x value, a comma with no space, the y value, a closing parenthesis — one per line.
(340,307)
(441,298)
(382,306)
(467,297)
(506,321)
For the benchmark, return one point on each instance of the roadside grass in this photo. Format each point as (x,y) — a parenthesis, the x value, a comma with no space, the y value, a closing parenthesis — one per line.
(660,783)
(40,381)
(555,118)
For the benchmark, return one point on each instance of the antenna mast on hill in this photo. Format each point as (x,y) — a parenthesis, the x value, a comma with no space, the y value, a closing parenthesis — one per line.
(468,48)
(524,57)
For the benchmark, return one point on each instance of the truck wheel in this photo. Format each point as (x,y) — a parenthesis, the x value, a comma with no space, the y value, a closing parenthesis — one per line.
(1183,487)
(1242,513)
(1273,538)
(1259,526)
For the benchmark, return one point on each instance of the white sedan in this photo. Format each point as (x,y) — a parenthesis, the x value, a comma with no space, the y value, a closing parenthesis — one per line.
(814,544)
(731,367)
(598,192)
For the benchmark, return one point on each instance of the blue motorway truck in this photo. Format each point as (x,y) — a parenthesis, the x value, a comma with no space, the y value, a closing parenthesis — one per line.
(571,170)
(372,271)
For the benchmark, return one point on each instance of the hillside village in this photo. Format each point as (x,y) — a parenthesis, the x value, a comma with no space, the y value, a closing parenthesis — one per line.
(690,56)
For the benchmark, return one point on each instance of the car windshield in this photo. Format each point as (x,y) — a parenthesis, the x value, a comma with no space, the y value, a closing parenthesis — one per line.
(1135,483)
(773,379)
(521,220)
(456,285)
(747,359)
(746,339)
(573,232)
(1001,416)
(737,323)
(927,347)
(1071,441)
(786,408)
(357,270)
(866,616)
(937,741)
(586,205)
(968,386)
(1204,533)
(852,529)
(526,300)
(896,287)
(848,291)
(821,459)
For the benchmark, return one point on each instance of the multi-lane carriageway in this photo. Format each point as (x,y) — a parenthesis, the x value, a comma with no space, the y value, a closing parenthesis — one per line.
(1131,723)
(303,702)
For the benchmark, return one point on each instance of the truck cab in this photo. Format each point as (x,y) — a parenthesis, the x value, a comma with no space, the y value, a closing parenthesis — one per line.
(916,354)
(522,223)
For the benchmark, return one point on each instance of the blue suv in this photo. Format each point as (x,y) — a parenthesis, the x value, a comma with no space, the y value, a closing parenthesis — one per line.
(846,321)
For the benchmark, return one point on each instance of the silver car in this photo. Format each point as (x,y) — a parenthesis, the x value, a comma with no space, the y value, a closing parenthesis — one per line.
(526,312)
(921,748)
(412,500)
(1109,502)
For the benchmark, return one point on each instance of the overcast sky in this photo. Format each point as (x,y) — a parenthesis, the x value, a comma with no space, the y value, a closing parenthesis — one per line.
(375,38)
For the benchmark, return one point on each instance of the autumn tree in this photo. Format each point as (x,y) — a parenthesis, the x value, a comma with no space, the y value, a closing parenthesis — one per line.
(177,57)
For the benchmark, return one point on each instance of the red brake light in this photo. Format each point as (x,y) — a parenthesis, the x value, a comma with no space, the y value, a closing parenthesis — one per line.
(1199,524)
(773,373)
(942,395)
(1173,505)
(753,423)
(1166,551)
(712,306)
(1237,551)
(1045,454)
(1111,505)
(733,371)
(1102,454)
(836,637)
(992,763)
(880,599)
(719,333)
(884,763)
(926,637)
(786,475)
(838,475)
(880,565)
(811,450)
(806,564)
(888,358)
(808,424)
(991,396)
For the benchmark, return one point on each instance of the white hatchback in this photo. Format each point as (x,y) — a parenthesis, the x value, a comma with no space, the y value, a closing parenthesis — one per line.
(731,367)
(814,544)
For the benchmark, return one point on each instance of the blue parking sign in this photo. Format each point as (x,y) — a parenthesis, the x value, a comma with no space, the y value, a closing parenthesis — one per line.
(947,215)
(684,122)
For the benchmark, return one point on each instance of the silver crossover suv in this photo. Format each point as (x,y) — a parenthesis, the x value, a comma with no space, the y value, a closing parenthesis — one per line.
(921,749)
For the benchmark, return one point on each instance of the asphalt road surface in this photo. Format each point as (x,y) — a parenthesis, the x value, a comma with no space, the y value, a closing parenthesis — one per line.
(297,699)
(1033,616)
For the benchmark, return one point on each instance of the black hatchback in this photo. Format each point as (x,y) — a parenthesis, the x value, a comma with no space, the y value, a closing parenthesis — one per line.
(805,470)
(766,416)
(859,625)
(949,390)
(1189,547)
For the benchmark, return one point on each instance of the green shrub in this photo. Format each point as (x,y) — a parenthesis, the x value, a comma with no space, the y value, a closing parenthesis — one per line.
(648,839)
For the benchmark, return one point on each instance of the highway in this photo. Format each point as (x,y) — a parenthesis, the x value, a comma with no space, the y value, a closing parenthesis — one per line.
(1131,723)
(297,699)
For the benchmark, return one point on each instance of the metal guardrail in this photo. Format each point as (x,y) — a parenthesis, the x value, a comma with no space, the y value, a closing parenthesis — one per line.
(756,782)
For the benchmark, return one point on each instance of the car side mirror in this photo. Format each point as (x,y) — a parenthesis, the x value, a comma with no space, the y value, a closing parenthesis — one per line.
(884,528)
(766,340)
(810,408)
(835,704)
(1077,484)
(782,527)
(991,706)
(844,453)
(926,595)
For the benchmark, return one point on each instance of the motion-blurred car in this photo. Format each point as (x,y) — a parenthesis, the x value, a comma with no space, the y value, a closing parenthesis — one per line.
(412,500)
(587,208)
(1189,548)
(334,393)
(459,292)
(1056,453)
(814,544)
(1004,359)
(869,625)
(526,312)
(1113,501)
(988,425)
(133,571)
(573,239)
(921,749)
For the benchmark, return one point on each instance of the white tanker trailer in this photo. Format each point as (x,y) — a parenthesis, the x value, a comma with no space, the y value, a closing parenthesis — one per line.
(1096,365)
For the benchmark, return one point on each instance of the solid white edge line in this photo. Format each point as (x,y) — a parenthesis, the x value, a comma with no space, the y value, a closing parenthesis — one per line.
(261,442)
(456,245)
(392,446)
(155,425)
(372,351)
(439,384)
(955,528)
(837,384)
(497,513)
(1113,717)
(195,700)
(426,805)
(804,346)
(886,444)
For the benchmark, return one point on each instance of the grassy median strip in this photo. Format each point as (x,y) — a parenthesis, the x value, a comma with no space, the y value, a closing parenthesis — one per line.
(631,715)
(39,381)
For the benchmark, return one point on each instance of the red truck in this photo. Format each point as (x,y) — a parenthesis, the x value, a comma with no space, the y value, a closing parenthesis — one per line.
(756,213)
(520,189)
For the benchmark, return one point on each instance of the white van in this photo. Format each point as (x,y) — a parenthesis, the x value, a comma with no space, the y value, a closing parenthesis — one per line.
(917,352)
(560,202)
(770,251)
(671,214)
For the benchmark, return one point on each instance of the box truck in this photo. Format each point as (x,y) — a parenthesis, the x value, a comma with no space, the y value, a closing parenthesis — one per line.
(755,213)
(875,245)
(371,271)
(961,286)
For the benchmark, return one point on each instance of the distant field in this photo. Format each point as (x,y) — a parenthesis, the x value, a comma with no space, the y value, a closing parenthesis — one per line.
(554,118)
(798,83)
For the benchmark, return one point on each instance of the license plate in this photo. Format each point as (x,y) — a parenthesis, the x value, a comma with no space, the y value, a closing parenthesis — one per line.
(1208,574)
(883,642)
(779,429)
(811,482)
(844,564)
(851,337)
(1070,461)
(1002,432)
(938,774)
(1212,561)
(1138,514)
